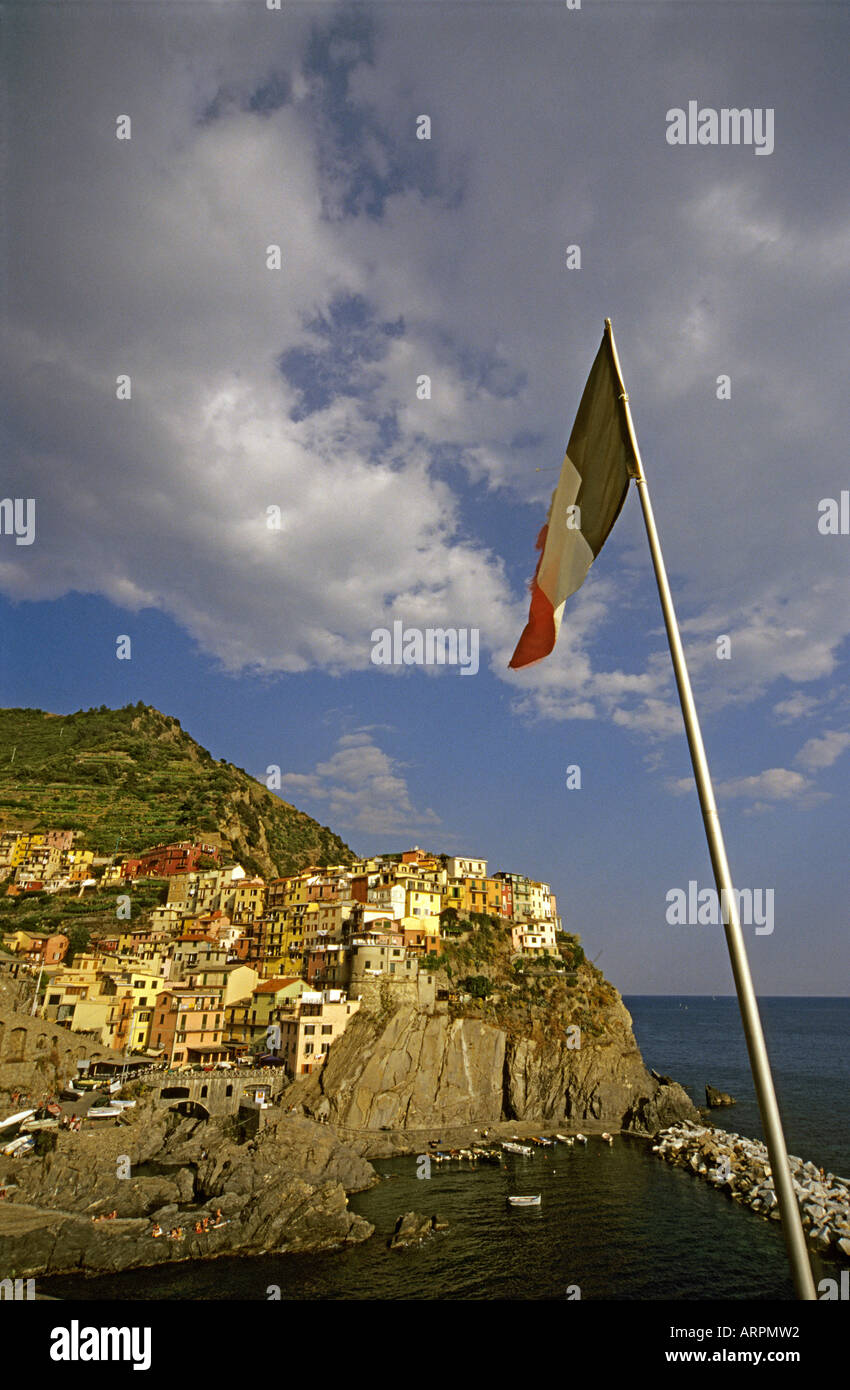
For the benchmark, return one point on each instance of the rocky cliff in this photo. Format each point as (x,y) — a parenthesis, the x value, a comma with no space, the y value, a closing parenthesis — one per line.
(400,1066)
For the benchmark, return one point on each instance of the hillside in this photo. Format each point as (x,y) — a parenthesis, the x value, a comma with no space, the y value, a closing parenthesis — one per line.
(131,778)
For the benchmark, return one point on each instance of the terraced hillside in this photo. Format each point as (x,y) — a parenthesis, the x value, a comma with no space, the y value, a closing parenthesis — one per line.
(131,778)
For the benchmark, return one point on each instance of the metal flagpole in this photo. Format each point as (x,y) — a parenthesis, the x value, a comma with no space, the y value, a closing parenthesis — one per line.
(792,1226)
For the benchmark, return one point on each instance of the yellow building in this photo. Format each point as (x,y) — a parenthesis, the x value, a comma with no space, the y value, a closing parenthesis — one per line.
(249,900)
(466,895)
(248,1020)
(144,985)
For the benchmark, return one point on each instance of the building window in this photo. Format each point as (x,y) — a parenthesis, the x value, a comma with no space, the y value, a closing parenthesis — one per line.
(327,1028)
(308,1047)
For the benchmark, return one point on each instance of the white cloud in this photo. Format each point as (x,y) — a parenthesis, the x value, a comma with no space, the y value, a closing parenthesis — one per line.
(361,787)
(796,706)
(157,269)
(823,752)
(763,789)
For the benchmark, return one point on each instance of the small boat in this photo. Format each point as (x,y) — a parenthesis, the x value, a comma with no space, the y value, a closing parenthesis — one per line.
(123,1104)
(606,1137)
(20,1146)
(16,1119)
(564,1139)
(547,1143)
(510,1147)
(525,1201)
(31,1126)
(581,1138)
(104,1112)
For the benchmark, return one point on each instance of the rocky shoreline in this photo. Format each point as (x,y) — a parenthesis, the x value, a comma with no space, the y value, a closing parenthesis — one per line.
(741,1167)
(94,1203)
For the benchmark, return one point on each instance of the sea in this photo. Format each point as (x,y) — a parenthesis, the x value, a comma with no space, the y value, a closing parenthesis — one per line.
(614,1223)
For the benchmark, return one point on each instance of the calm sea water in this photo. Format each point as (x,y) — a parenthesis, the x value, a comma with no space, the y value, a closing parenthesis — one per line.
(617,1222)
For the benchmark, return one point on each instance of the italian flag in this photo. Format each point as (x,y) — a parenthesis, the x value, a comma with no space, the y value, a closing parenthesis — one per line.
(587,501)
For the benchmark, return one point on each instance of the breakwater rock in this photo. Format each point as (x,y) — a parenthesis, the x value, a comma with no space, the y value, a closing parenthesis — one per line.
(741,1168)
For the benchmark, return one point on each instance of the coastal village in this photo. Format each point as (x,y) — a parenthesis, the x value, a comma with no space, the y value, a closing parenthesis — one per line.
(198,967)
(229,969)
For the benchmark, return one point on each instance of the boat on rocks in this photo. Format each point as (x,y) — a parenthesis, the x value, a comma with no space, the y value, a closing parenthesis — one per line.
(17,1119)
(18,1148)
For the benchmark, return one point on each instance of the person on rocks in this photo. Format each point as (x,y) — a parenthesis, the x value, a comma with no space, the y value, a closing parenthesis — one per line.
(157,1230)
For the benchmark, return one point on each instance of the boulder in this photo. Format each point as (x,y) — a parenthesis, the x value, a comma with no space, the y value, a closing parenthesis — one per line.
(412,1229)
(714,1098)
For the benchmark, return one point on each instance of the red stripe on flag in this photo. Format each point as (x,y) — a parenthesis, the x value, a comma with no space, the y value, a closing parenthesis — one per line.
(538,638)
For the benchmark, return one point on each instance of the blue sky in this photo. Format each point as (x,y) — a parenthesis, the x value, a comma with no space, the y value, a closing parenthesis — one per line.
(296,388)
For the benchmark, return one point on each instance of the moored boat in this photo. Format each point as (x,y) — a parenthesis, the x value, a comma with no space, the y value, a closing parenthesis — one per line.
(16,1148)
(16,1119)
(533,1201)
(512,1148)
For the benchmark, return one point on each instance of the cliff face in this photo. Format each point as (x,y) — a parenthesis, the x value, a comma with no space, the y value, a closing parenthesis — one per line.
(405,1068)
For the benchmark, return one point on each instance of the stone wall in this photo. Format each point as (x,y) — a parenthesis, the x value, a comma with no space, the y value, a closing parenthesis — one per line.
(35,1053)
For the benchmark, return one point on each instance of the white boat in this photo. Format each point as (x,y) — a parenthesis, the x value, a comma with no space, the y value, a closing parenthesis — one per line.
(564,1139)
(104,1112)
(510,1147)
(16,1119)
(525,1201)
(581,1138)
(31,1126)
(123,1104)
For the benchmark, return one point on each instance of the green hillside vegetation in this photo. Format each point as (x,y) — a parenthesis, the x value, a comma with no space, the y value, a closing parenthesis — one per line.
(93,915)
(131,778)
(539,996)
